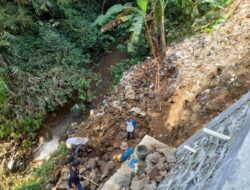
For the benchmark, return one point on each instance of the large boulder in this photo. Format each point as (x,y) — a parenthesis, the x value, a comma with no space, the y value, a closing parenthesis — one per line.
(149,167)
(160,165)
(171,158)
(153,157)
(92,163)
(125,180)
(150,186)
(137,183)
(106,168)
(154,174)
(93,174)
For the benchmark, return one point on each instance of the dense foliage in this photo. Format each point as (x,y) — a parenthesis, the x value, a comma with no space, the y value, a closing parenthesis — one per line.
(47,49)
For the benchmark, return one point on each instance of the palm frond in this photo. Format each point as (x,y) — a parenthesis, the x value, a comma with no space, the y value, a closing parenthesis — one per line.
(143,4)
(102,19)
(117,21)
(136,31)
(8,37)
(213,3)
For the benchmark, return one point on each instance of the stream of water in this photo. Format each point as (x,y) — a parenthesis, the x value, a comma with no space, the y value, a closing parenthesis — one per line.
(59,123)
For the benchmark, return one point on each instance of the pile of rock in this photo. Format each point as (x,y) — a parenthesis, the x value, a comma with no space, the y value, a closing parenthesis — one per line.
(153,170)
(95,168)
(133,97)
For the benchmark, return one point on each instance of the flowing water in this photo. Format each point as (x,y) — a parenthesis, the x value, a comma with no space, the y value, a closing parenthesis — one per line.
(59,123)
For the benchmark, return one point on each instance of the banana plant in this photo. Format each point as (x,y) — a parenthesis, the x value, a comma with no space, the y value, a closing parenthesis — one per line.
(139,16)
(148,17)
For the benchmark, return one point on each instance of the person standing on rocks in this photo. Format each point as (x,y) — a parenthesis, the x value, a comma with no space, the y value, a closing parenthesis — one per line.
(130,126)
(74,181)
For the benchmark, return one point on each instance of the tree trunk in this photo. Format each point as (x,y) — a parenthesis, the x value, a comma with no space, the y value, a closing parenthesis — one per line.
(163,38)
(158,62)
(155,34)
(150,41)
(103,6)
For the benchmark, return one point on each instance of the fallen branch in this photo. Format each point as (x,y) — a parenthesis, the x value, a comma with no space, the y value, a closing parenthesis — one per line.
(90,180)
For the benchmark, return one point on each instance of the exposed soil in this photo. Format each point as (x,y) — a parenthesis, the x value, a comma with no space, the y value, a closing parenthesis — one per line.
(200,77)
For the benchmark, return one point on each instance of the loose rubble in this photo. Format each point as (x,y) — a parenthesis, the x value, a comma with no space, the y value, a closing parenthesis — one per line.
(152,171)
(200,77)
(96,168)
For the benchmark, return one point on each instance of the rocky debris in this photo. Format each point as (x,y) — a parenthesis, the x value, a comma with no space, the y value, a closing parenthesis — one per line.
(217,75)
(152,170)
(49,186)
(125,180)
(153,157)
(196,72)
(129,92)
(92,163)
(106,168)
(95,168)
(138,111)
(98,169)
(160,165)
(62,186)
(137,183)
(16,164)
(171,159)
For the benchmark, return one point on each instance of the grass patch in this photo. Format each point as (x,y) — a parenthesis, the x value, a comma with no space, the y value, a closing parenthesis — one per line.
(38,177)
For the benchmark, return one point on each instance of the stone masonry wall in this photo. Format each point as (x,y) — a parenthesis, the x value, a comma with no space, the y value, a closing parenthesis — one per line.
(197,171)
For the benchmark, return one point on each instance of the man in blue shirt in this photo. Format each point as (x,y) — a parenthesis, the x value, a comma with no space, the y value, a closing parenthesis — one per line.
(74,181)
(127,151)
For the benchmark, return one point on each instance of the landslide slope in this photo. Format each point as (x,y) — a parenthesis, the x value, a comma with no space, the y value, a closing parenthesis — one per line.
(200,77)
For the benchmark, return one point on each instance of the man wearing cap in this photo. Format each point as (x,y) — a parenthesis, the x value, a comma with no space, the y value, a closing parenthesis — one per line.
(74,181)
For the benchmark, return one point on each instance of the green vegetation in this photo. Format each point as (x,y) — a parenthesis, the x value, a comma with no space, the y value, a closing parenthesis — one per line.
(47,49)
(153,18)
(38,176)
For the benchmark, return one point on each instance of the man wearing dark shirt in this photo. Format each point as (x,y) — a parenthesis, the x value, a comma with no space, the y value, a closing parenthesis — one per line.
(74,181)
